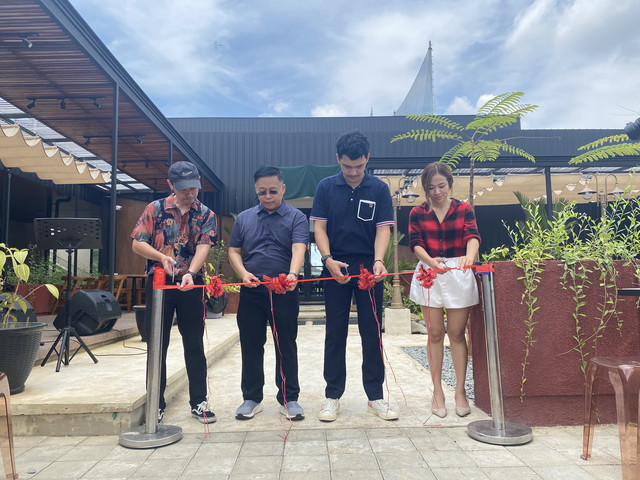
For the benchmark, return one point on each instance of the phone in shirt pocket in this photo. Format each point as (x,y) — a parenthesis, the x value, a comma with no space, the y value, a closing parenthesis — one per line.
(366,210)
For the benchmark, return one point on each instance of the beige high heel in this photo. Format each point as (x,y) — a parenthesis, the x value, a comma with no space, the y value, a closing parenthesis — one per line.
(439,412)
(462,411)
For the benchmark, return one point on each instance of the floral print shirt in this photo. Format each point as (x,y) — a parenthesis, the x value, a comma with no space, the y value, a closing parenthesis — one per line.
(165,229)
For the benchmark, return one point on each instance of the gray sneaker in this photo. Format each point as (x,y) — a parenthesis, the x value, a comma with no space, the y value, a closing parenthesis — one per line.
(248,409)
(292,410)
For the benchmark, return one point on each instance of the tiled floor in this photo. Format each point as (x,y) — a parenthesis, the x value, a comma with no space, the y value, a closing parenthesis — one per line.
(357,445)
(350,453)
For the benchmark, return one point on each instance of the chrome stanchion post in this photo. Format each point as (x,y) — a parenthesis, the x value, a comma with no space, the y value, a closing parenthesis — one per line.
(151,434)
(495,431)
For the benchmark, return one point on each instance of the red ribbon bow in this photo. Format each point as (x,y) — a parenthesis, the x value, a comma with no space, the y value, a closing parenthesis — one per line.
(214,287)
(367,279)
(277,284)
(426,277)
(158,277)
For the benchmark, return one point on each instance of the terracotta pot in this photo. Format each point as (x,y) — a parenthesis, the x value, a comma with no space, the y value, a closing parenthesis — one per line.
(554,387)
(233,299)
(38,296)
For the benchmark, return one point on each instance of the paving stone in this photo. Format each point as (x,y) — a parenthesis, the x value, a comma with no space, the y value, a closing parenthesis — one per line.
(258,449)
(263,464)
(312,447)
(352,461)
(305,463)
(458,473)
(356,475)
(168,467)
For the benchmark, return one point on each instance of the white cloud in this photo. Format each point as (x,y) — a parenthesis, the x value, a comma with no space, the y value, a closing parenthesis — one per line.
(168,47)
(328,111)
(577,59)
(460,106)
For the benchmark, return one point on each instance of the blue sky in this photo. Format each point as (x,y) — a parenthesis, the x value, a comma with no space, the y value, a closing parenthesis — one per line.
(579,60)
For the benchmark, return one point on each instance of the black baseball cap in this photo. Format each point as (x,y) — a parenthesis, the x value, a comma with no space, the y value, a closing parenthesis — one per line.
(184,175)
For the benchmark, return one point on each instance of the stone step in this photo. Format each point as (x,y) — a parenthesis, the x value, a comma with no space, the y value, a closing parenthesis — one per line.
(108,397)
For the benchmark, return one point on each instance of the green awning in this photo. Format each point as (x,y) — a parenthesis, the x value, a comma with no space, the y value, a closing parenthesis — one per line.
(302,181)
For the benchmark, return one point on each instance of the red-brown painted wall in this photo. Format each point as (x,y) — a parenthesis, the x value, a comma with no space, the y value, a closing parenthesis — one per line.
(554,389)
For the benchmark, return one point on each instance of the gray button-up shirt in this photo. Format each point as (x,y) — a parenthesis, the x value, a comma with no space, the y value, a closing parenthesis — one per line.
(266,239)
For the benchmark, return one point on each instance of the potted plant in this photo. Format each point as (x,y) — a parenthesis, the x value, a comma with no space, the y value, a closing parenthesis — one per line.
(19,335)
(216,261)
(41,272)
(556,306)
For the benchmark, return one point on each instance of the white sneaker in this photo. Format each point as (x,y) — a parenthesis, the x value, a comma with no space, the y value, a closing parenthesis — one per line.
(382,409)
(330,409)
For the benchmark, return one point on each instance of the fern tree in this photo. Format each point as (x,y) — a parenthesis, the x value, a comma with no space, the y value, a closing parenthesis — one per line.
(472,141)
(607,147)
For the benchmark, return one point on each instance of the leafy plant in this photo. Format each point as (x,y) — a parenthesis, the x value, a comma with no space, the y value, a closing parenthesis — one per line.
(472,140)
(19,267)
(40,271)
(575,239)
(607,147)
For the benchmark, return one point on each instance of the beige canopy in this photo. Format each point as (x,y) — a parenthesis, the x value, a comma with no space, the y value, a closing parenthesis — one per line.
(500,192)
(30,154)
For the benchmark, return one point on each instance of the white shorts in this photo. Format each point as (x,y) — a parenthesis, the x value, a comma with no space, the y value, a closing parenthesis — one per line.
(452,289)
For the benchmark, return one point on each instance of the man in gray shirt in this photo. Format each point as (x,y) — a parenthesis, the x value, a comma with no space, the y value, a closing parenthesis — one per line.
(273,237)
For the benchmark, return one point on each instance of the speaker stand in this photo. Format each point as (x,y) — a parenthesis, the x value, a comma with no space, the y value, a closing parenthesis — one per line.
(69,234)
(67,331)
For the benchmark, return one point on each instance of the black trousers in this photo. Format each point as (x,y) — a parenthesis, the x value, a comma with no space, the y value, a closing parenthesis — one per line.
(188,306)
(254,314)
(337,301)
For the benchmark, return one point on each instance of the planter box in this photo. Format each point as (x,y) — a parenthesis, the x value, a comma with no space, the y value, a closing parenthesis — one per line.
(554,387)
(38,296)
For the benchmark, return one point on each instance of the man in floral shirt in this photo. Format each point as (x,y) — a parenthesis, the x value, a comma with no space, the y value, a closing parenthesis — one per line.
(176,233)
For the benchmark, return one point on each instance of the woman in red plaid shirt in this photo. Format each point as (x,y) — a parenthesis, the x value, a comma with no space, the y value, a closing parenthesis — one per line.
(443,234)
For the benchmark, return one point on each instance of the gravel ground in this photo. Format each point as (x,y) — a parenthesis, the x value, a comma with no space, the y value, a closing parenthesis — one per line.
(419,354)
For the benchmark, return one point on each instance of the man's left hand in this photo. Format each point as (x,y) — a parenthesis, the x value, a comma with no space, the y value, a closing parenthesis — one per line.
(293,279)
(187,282)
(379,270)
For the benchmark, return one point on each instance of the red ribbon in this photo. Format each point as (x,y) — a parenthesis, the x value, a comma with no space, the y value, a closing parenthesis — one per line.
(425,277)
(487,267)
(367,279)
(158,277)
(214,287)
(277,284)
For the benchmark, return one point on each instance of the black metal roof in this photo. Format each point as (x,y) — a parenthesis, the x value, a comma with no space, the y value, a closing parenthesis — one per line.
(235,147)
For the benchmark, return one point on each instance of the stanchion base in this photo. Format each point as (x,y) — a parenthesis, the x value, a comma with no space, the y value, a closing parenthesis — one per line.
(138,438)
(513,433)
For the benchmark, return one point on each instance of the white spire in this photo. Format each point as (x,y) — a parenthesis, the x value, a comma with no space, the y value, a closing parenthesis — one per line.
(420,97)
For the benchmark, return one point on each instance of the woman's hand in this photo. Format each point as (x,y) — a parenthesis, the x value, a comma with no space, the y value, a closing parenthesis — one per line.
(436,263)
(464,262)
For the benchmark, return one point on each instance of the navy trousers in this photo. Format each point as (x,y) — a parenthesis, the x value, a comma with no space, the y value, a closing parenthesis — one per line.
(188,307)
(254,314)
(337,301)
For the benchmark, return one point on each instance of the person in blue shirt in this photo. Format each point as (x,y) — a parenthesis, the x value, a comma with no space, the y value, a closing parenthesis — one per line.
(273,236)
(352,214)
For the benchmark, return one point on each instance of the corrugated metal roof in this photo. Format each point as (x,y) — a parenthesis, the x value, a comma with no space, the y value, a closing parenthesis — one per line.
(235,147)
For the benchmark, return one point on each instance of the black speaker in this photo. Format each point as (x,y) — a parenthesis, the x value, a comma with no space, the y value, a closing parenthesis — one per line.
(90,312)
(27,316)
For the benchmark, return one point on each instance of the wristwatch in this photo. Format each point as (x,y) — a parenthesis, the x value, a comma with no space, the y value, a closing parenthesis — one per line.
(193,275)
(324,259)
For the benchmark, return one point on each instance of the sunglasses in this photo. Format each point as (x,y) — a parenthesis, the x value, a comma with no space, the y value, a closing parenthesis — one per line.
(272,192)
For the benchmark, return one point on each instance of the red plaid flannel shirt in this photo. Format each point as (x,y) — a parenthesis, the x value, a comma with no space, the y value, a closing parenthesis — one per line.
(447,239)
